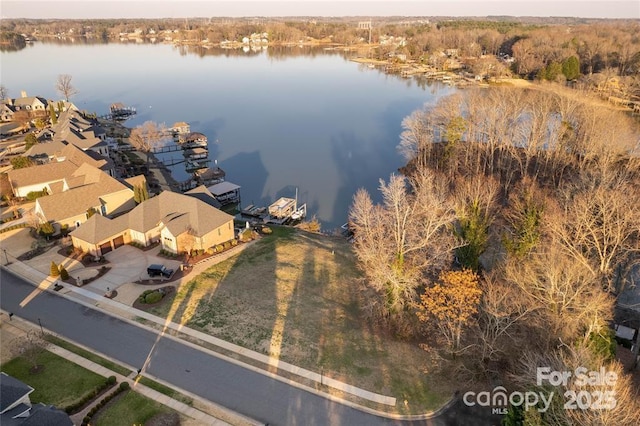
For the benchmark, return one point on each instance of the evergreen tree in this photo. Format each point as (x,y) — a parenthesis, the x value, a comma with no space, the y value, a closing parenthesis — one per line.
(571,68)
(30,140)
(52,114)
(53,270)
(63,273)
(144,193)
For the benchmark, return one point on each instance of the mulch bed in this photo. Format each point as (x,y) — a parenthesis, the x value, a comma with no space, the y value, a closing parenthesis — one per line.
(84,258)
(102,271)
(169,292)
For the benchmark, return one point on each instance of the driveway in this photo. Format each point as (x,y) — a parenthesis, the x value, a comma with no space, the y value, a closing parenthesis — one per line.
(128,264)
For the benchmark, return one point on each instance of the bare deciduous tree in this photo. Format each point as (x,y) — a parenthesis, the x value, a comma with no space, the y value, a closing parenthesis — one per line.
(568,301)
(147,136)
(599,225)
(29,346)
(399,241)
(64,86)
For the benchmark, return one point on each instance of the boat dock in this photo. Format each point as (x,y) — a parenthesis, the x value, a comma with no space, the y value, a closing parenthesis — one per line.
(285,211)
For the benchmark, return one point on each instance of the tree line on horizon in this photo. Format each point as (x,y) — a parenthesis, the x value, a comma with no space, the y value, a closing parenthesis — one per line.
(537,45)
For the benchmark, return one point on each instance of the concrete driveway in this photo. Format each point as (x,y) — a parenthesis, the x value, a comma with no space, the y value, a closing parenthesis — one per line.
(128,264)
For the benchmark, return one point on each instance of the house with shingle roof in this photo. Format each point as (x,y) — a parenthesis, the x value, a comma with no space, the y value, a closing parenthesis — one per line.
(85,188)
(30,103)
(63,162)
(7,111)
(179,222)
(16,408)
(75,129)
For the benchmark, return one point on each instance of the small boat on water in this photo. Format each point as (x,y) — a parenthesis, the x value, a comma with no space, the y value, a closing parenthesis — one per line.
(300,213)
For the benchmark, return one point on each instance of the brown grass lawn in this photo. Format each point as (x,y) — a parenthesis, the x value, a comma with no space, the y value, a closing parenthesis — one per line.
(293,295)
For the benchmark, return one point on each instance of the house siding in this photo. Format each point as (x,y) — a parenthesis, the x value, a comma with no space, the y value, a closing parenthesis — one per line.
(119,202)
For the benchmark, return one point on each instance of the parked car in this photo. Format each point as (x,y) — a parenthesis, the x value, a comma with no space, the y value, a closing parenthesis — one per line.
(155,270)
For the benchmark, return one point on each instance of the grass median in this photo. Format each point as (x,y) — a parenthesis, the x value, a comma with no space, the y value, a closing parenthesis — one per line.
(88,355)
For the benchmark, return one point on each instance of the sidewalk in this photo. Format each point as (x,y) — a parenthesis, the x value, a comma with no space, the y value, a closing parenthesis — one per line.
(85,296)
(18,327)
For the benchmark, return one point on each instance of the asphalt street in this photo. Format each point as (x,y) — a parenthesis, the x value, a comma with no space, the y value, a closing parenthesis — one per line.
(242,390)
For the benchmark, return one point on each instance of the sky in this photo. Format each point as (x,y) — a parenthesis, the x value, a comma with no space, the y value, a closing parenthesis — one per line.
(79,9)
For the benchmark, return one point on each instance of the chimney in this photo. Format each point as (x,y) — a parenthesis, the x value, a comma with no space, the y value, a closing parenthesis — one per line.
(23,93)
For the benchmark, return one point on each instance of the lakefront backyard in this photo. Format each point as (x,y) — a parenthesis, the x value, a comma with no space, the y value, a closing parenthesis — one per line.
(293,295)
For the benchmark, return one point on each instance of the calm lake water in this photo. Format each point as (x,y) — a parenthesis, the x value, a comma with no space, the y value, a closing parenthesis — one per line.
(282,119)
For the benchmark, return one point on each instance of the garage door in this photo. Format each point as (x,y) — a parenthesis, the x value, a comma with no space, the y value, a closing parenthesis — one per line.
(117,242)
(105,248)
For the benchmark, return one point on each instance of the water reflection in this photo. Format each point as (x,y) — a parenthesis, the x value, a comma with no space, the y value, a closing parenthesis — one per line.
(285,118)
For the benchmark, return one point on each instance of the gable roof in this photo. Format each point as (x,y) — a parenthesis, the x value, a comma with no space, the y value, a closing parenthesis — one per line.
(46,415)
(178,212)
(49,149)
(69,158)
(43,174)
(137,180)
(99,228)
(87,187)
(202,193)
(12,390)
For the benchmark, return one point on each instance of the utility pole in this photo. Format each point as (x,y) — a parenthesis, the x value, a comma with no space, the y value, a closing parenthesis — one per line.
(41,329)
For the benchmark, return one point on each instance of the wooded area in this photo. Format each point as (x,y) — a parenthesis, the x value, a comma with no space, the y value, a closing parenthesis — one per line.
(532,194)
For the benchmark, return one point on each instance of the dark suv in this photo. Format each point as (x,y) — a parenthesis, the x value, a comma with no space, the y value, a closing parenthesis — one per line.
(155,270)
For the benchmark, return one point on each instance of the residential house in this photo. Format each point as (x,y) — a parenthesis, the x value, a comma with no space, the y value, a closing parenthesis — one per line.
(30,103)
(180,222)
(7,111)
(16,408)
(63,160)
(86,188)
(73,128)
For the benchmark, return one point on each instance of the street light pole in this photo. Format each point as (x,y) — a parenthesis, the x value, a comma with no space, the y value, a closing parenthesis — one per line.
(6,258)
(41,329)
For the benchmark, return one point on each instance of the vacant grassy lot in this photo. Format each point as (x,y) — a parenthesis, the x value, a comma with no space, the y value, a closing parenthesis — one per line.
(129,409)
(293,295)
(59,383)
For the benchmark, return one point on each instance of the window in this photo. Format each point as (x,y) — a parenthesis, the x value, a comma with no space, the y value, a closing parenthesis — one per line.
(219,232)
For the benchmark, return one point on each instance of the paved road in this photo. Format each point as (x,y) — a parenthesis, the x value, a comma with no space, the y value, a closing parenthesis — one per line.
(244,391)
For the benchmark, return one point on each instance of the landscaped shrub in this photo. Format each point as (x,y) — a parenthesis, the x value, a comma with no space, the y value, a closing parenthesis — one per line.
(53,270)
(154,297)
(63,273)
(234,243)
(124,386)
(246,235)
(266,230)
(219,248)
(227,245)
(143,295)
(72,408)
(211,250)
(200,252)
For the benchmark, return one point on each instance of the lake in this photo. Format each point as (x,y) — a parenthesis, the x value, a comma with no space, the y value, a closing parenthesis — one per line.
(276,120)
